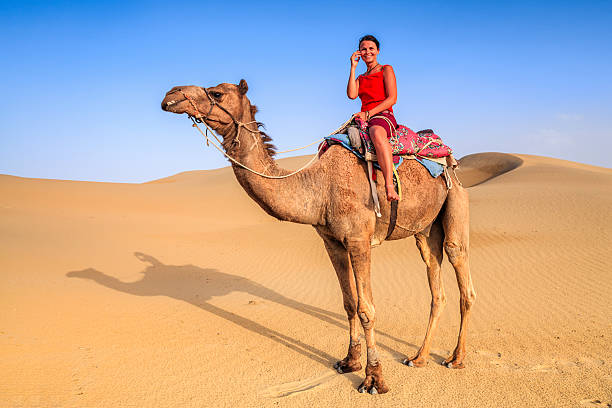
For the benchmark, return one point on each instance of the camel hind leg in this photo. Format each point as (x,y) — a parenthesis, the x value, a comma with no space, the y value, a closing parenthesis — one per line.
(431,252)
(455,222)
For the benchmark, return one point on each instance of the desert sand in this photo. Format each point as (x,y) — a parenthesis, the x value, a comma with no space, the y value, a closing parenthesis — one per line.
(183,292)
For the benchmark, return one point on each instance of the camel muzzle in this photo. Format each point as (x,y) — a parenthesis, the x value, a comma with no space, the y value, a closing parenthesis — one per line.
(173,97)
(171,101)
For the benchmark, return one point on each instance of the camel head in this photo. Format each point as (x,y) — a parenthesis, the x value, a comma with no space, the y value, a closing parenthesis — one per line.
(192,100)
(229,99)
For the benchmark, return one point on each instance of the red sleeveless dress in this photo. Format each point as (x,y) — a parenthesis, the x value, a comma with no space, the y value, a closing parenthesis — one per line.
(372,92)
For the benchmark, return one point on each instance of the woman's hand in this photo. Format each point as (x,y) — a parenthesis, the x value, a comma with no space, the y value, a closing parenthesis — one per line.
(355,58)
(361,115)
(352,88)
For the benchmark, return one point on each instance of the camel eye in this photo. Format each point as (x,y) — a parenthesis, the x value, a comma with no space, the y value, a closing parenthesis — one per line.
(216,95)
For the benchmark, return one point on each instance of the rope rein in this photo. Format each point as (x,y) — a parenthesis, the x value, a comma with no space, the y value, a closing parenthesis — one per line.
(303,147)
(242,165)
(201,118)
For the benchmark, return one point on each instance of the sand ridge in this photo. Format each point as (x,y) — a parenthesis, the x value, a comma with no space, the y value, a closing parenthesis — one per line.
(182,291)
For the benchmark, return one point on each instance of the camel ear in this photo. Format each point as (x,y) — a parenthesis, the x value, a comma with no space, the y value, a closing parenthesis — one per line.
(243,87)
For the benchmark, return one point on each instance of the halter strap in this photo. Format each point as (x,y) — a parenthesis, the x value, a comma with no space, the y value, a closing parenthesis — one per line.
(200,116)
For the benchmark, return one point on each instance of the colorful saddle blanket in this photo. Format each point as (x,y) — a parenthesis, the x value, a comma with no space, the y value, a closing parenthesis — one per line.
(407,142)
(434,169)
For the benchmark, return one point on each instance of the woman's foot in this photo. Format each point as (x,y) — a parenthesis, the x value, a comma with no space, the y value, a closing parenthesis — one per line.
(391,193)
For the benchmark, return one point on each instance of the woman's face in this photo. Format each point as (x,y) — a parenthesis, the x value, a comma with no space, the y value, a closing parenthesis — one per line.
(369,51)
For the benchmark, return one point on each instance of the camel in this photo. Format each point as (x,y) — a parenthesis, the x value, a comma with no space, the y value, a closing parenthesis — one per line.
(333,195)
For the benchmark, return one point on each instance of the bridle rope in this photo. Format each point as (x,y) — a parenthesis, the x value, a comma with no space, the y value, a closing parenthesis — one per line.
(201,118)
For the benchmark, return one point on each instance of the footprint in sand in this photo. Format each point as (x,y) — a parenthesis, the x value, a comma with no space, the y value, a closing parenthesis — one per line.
(488,354)
(84,356)
(542,368)
(556,365)
(80,377)
(561,365)
(284,390)
(495,359)
(595,403)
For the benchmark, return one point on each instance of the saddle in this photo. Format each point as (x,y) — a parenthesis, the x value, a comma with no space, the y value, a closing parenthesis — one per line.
(423,146)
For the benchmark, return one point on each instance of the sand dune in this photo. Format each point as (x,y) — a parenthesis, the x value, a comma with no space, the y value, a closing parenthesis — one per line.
(183,292)
(480,167)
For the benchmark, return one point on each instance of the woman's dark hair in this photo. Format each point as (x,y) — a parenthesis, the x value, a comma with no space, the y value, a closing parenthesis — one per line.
(369,38)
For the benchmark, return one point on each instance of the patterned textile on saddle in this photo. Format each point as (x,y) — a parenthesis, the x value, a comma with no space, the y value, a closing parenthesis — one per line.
(424,146)
(405,142)
(434,169)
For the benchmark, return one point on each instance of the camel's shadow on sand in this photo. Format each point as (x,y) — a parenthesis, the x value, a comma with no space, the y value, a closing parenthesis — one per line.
(197,286)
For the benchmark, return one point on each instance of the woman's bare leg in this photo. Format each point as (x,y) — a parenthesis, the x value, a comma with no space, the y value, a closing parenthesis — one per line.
(378,134)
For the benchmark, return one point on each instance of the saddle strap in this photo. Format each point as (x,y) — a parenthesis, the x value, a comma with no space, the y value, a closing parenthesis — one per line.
(373,188)
(392,219)
(394,204)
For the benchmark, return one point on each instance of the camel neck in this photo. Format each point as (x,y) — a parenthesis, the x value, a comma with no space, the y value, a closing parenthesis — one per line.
(293,199)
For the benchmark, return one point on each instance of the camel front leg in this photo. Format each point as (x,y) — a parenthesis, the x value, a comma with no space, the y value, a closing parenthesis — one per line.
(340,260)
(359,252)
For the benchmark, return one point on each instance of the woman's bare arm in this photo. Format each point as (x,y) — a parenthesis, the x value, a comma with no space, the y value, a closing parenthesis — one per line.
(352,88)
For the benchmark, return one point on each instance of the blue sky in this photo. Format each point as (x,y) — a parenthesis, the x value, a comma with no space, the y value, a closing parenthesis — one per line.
(83,81)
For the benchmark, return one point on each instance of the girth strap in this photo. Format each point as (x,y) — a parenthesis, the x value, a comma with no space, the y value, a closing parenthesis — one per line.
(373,189)
(394,204)
(392,219)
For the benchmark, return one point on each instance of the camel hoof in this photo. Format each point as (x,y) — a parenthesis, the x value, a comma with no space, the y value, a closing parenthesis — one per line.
(415,362)
(343,367)
(455,366)
(373,383)
(407,362)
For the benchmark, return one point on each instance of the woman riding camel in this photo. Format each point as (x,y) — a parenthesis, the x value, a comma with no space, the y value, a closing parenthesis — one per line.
(378,93)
